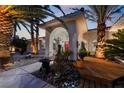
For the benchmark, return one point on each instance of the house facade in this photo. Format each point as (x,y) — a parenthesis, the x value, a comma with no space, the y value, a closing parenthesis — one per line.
(76,32)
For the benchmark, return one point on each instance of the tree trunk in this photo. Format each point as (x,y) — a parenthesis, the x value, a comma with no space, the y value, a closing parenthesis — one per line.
(32,39)
(14,31)
(6,28)
(37,38)
(100,40)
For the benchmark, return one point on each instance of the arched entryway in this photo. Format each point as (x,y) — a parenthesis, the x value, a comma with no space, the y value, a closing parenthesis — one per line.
(76,27)
(58,35)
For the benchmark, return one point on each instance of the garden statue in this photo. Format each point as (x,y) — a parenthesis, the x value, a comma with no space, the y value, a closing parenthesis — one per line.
(59,60)
(56,42)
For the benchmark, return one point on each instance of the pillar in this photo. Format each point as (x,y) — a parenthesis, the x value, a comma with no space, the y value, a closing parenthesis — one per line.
(73,40)
(47,43)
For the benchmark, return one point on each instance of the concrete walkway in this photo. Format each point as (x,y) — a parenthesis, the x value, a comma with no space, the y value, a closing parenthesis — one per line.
(21,78)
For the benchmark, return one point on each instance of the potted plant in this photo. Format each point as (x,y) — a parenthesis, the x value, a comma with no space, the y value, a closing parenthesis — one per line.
(83,52)
(66,54)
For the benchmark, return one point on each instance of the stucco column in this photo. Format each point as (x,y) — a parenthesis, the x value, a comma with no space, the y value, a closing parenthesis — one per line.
(47,43)
(81,28)
(73,40)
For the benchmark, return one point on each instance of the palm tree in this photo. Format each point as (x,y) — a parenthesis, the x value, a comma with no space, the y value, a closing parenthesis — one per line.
(10,12)
(101,14)
(35,27)
(17,25)
(37,35)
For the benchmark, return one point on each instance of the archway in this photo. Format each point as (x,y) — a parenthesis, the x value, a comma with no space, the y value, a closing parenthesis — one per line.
(58,34)
(76,27)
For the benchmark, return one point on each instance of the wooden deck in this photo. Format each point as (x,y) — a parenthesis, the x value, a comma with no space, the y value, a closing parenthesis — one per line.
(102,73)
(86,83)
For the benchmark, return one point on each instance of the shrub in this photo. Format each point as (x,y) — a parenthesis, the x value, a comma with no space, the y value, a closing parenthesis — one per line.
(115,46)
(66,54)
(83,52)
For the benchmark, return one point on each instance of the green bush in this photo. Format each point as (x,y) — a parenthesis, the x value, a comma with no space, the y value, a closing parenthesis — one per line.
(83,52)
(67,52)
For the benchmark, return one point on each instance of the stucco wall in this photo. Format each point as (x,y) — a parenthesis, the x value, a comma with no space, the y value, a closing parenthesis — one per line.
(91,38)
(81,26)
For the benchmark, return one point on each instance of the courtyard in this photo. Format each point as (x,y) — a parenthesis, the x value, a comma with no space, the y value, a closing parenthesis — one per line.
(72,51)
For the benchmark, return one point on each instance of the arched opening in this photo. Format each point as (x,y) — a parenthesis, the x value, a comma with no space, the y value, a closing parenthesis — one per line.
(58,35)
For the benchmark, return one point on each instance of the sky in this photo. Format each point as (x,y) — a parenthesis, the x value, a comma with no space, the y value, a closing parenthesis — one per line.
(67,9)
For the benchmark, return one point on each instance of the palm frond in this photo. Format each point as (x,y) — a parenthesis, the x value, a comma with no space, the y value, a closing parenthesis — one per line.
(90,16)
(41,20)
(57,6)
(94,9)
(33,11)
(19,22)
(102,12)
(25,26)
(17,25)
(117,10)
(7,8)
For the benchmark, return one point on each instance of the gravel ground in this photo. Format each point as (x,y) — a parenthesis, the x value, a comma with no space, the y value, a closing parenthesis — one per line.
(69,79)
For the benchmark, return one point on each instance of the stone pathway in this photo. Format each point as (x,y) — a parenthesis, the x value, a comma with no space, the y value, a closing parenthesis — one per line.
(21,78)
(24,62)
